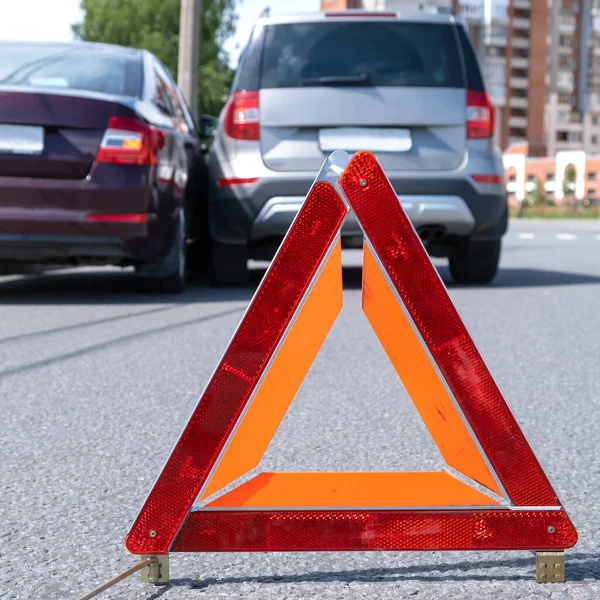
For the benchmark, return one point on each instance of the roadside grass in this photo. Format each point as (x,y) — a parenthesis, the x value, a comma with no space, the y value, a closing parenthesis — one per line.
(555,212)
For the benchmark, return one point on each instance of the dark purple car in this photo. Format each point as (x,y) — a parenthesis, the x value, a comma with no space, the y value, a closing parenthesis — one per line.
(101,162)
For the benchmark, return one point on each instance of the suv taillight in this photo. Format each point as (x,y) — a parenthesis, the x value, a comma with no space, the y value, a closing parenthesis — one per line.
(480,115)
(130,142)
(242,117)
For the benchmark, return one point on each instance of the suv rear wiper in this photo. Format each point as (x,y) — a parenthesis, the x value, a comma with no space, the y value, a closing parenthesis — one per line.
(362,79)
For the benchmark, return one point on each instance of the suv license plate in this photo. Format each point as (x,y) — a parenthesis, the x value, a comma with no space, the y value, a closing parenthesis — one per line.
(21,139)
(373,139)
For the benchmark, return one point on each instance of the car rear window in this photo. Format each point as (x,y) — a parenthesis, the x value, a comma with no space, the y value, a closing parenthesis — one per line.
(64,67)
(365,53)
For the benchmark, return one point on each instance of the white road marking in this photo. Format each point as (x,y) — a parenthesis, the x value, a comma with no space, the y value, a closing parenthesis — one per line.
(527,236)
(566,236)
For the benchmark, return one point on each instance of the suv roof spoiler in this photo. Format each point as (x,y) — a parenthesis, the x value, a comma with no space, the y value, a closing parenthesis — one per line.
(440,10)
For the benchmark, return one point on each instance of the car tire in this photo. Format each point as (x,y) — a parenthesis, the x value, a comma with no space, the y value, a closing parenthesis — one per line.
(169,274)
(476,262)
(228,264)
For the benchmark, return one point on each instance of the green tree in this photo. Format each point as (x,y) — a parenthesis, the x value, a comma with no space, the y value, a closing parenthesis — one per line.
(569,185)
(539,194)
(154,25)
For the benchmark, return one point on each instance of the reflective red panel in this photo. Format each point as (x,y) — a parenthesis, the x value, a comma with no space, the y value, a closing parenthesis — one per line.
(226,395)
(413,275)
(273,531)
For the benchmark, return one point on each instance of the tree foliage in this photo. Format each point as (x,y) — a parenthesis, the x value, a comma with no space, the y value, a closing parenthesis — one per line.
(570,176)
(154,26)
(539,193)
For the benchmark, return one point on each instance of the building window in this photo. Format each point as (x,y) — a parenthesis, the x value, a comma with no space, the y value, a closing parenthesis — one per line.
(565,40)
(592,193)
(595,140)
(530,177)
(594,120)
(499,30)
(565,62)
(496,71)
(592,176)
(497,91)
(512,178)
(495,51)
(549,177)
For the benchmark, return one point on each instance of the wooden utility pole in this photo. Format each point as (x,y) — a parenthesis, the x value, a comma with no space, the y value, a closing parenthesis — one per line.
(189,53)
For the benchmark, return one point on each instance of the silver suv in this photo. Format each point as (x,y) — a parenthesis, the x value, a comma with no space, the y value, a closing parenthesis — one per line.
(406,87)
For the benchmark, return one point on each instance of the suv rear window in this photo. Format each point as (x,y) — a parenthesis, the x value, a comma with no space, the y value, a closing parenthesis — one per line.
(472,71)
(364,53)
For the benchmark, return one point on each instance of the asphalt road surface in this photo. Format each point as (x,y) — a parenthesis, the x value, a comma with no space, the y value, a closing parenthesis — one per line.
(97,381)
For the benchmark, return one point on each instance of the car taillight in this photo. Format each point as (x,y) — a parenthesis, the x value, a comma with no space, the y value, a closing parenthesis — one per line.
(242,117)
(480,115)
(130,142)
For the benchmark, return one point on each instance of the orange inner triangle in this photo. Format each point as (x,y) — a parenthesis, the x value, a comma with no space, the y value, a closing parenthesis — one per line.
(283,378)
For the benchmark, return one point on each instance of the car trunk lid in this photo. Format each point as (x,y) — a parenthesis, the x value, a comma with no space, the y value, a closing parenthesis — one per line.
(51,134)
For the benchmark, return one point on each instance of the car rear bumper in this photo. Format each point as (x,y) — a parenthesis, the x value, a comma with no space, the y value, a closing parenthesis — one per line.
(47,220)
(60,248)
(75,241)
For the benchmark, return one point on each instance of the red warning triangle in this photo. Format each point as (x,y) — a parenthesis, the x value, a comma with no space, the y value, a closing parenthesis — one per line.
(276,342)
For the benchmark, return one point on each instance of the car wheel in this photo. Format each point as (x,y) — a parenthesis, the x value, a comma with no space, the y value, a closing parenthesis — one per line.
(228,264)
(169,275)
(476,262)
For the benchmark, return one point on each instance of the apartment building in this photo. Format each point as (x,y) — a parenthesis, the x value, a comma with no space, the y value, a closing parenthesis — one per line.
(572,115)
(541,61)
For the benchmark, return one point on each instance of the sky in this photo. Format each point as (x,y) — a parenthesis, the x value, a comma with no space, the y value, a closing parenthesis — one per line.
(50,20)
(249,10)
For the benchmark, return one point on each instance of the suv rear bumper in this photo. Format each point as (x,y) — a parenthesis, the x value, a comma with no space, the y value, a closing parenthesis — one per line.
(277,215)
(251,213)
